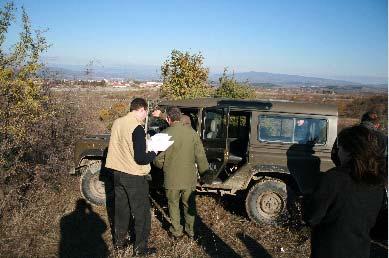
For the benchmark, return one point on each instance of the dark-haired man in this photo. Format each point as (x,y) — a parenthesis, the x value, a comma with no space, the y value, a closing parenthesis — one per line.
(130,162)
(179,165)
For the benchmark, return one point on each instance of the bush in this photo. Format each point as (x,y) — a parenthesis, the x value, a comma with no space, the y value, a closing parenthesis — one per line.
(184,76)
(23,104)
(230,88)
(36,129)
(108,116)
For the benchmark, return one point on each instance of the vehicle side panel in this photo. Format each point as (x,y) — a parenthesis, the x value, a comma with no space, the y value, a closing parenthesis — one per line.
(304,162)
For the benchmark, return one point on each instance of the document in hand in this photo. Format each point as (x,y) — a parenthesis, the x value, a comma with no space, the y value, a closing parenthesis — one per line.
(159,142)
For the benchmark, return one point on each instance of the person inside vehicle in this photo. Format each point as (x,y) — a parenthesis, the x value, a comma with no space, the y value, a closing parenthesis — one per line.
(301,131)
(346,202)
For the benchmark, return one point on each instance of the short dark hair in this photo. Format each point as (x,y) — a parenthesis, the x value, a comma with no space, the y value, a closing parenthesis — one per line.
(174,113)
(367,164)
(370,116)
(138,103)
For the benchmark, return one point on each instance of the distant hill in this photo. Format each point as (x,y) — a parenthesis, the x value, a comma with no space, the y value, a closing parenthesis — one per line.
(285,79)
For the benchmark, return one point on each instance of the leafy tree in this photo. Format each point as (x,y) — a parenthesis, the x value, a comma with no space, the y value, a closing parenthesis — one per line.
(22,101)
(184,76)
(230,88)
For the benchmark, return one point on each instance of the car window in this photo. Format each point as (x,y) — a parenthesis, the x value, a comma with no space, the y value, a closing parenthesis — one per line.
(290,129)
(213,124)
(237,125)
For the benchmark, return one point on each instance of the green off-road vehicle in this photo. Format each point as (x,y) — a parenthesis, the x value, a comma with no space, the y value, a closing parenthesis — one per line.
(269,151)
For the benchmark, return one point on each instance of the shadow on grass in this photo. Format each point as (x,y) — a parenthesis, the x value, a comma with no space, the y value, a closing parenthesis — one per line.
(254,248)
(81,233)
(234,204)
(159,202)
(210,242)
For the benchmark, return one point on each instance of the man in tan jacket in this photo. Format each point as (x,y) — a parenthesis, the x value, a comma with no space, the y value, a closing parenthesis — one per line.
(130,163)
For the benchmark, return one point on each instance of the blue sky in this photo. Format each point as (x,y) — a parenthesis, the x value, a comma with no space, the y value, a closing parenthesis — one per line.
(317,38)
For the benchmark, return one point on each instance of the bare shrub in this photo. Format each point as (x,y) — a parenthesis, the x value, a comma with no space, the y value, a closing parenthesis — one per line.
(359,106)
(47,153)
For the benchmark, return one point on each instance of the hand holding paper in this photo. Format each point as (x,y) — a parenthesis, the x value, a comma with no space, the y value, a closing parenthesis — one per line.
(159,142)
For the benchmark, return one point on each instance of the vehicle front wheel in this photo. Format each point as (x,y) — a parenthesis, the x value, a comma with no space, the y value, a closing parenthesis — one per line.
(96,184)
(266,202)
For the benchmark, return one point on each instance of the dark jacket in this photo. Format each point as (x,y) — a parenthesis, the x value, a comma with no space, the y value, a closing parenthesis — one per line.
(178,161)
(341,213)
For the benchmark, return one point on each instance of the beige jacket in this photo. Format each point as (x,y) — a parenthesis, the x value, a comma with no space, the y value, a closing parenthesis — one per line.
(120,150)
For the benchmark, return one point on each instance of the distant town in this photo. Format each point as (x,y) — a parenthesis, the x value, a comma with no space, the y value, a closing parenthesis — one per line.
(134,85)
(114,84)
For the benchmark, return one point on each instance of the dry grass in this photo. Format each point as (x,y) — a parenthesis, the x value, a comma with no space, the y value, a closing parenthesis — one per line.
(34,230)
(46,226)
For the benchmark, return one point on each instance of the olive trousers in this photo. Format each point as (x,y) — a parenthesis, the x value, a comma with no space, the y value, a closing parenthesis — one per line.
(187,196)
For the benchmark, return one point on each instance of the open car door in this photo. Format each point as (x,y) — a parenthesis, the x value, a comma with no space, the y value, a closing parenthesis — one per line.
(214,134)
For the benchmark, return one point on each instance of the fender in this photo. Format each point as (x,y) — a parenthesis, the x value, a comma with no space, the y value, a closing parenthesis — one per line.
(101,153)
(94,154)
(261,168)
(259,171)
(242,178)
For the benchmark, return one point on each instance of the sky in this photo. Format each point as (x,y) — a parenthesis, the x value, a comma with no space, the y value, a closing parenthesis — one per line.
(328,38)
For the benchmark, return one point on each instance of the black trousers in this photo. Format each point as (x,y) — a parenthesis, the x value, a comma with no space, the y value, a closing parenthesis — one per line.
(132,202)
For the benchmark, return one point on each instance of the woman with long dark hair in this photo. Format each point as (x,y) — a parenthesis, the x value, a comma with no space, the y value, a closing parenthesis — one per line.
(347,199)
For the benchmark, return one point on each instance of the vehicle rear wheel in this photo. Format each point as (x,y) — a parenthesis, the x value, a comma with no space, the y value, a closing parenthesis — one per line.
(266,202)
(96,184)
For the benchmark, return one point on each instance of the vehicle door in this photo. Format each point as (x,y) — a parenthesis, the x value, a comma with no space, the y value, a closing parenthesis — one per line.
(214,135)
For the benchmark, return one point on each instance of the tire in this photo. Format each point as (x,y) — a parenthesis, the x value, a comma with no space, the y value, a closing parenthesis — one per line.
(95,184)
(266,202)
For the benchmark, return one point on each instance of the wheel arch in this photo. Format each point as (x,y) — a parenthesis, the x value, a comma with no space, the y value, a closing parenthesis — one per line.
(262,172)
(87,158)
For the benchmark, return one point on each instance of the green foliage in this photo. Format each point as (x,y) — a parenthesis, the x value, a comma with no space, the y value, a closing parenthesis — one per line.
(184,76)
(22,101)
(230,88)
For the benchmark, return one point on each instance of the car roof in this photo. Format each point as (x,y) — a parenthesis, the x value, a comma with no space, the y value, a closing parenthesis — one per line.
(280,106)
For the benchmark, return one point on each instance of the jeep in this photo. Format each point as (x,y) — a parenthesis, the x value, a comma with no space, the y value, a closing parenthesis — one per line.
(270,151)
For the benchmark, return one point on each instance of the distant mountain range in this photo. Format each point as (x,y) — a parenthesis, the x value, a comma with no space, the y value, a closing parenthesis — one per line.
(298,80)
(149,72)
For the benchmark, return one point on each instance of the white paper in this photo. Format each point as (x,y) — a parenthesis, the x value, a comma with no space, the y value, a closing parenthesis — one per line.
(159,142)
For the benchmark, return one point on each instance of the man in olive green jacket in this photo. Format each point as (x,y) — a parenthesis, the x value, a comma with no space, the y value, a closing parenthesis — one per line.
(179,165)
